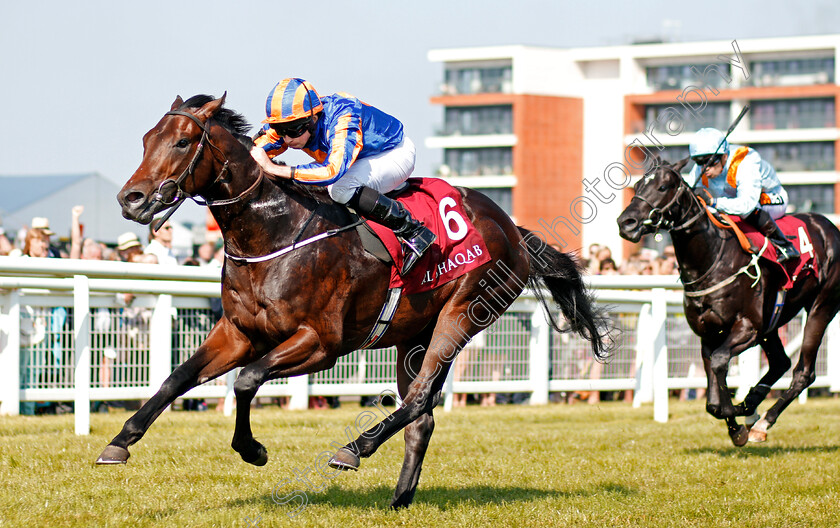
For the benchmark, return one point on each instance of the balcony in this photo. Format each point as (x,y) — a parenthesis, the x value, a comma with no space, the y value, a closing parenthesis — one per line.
(477,80)
(793,72)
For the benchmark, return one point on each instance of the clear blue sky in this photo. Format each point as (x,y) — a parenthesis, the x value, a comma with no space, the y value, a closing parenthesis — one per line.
(83,81)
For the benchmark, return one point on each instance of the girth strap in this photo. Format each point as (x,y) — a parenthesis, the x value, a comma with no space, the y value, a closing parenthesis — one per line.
(383,322)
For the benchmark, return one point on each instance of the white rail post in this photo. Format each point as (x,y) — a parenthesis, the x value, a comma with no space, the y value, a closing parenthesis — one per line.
(10,354)
(160,342)
(81,334)
(539,351)
(448,395)
(230,378)
(832,357)
(299,385)
(803,396)
(749,371)
(643,392)
(659,314)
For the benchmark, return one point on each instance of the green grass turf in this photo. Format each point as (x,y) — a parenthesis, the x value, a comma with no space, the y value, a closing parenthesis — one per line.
(508,466)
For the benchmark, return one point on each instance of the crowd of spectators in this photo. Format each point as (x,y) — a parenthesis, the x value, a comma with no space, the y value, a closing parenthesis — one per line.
(599,261)
(36,241)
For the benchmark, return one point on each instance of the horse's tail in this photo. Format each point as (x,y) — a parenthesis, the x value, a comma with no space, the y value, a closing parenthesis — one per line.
(562,276)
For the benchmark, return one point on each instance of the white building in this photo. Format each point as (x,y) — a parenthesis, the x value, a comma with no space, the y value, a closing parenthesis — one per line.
(549,133)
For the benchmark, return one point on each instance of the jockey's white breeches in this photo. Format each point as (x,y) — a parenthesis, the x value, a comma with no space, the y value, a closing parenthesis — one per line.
(383,172)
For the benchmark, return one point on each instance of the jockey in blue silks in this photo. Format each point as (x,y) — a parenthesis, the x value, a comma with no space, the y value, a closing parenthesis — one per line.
(360,153)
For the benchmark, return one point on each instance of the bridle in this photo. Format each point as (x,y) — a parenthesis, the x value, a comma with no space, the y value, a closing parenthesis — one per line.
(660,217)
(180,194)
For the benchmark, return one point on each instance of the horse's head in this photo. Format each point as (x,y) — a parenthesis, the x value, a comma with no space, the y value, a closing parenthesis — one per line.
(656,203)
(176,163)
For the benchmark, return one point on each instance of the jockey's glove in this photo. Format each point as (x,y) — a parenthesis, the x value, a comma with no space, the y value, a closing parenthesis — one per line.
(705,196)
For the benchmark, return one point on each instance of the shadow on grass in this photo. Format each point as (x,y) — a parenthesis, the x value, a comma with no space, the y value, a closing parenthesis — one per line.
(440,497)
(763,451)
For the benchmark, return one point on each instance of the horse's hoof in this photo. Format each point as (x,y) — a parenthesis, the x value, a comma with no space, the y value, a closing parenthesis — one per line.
(345,459)
(261,458)
(739,436)
(758,436)
(399,504)
(113,455)
(758,433)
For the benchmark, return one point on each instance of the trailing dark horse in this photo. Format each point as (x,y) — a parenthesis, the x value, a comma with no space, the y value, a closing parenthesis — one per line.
(297,313)
(726,306)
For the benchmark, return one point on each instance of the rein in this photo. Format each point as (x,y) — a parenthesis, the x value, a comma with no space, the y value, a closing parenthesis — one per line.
(659,222)
(177,199)
(662,222)
(295,245)
(658,219)
(753,263)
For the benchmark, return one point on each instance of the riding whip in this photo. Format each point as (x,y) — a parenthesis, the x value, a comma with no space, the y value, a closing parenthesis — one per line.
(722,141)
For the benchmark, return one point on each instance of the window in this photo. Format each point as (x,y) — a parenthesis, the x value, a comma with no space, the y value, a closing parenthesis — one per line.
(716,115)
(678,77)
(817,155)
(792,72)
(470,120)
(477,80)
(811,198)
(794,113)
(479,161)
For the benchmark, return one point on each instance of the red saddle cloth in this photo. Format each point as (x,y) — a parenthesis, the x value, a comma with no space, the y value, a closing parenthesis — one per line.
(458,249)
(796,232)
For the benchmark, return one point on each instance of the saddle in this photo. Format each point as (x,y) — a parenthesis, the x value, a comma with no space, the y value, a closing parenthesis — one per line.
(753,242)
(458,249)
(438,205)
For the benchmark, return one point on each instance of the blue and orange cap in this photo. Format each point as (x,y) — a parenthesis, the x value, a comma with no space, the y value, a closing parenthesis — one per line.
(291,99)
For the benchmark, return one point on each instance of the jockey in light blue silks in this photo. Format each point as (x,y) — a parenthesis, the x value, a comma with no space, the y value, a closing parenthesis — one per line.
(737,181)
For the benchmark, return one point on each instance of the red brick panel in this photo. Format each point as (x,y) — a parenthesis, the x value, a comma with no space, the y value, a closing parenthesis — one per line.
(548,162)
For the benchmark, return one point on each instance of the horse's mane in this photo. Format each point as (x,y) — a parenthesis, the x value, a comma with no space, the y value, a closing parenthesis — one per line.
(232,121)
(238,126)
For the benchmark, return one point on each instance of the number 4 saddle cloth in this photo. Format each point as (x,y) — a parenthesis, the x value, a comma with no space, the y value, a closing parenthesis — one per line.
(795,231)
(458,249)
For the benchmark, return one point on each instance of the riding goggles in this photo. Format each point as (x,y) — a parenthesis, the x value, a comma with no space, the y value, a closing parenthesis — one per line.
(292,130)
(707,159)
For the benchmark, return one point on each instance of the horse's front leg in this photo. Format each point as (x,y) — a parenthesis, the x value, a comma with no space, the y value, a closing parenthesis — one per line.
(224,349)
(719,402)
(297,355)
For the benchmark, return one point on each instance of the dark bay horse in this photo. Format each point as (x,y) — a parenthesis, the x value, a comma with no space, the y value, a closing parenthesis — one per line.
(299,312)
(722,305)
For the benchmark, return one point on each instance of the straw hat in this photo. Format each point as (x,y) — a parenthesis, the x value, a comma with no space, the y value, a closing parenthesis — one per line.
(127,240)
(43,223)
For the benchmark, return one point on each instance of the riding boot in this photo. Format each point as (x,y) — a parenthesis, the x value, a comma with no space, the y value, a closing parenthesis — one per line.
(762,221)
(416,238)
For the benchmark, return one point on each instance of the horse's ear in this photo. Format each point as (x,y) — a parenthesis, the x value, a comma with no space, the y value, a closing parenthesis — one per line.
(209,110)
(678,166)
(177,104)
